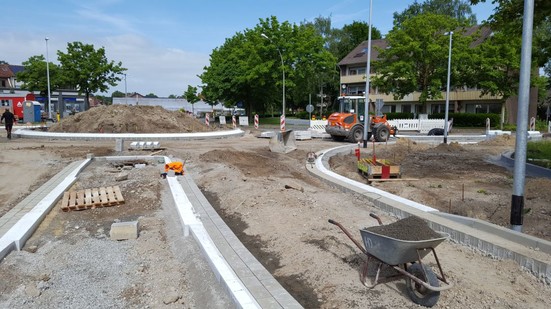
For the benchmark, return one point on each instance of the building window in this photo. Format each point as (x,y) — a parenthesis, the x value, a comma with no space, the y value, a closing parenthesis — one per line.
(356,71)
(483,108)
(388,109)
(437,108)
(406,108)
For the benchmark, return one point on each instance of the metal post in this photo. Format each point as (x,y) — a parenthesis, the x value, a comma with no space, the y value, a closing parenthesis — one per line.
(367,77)
(125,91)
(448,89)
(517,200)
(283,69)
(48,80)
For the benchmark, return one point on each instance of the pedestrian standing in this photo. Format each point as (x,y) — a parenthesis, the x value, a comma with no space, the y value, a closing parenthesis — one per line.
(8,119)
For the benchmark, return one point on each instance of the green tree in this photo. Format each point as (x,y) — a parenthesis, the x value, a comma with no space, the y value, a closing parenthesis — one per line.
(458,9)
(418,57)
(88,69)
(497,64)
(508,17)
(151,95)
(191,96)
(172,96)
(34,76)
(248,67)
(106,100)
(118,94)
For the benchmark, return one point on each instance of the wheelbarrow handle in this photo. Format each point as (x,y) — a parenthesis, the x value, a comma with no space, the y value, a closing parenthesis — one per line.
(348,234)
(374,216)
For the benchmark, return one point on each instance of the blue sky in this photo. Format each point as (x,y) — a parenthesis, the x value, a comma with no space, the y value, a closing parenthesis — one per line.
(165,44)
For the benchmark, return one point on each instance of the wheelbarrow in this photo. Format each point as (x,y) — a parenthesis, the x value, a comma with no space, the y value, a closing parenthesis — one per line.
(423,285)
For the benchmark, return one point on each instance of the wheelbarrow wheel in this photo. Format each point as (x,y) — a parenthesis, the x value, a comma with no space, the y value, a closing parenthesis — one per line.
(417,292)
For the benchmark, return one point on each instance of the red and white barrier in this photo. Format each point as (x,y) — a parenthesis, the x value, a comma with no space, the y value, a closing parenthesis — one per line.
(282,123)
(256,121)
(233,121)
(207,115)
(532,124)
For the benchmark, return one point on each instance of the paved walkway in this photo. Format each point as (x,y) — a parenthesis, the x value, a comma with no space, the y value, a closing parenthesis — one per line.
(248,283)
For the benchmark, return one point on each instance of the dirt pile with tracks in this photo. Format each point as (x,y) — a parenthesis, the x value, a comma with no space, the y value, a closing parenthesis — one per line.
(129,119)
(465,180)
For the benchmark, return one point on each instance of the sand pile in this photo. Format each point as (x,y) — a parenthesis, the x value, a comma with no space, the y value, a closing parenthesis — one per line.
(410,228)
(130,119)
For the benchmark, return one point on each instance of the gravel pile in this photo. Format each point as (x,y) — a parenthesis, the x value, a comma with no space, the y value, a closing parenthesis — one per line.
(410,228)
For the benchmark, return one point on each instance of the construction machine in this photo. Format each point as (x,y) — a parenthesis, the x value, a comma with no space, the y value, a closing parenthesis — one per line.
(348,122)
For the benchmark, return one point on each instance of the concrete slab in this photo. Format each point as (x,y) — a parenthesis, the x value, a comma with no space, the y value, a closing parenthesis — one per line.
(124,230)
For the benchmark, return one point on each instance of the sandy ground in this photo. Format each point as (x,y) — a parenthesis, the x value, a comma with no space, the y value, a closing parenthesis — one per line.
(277,209)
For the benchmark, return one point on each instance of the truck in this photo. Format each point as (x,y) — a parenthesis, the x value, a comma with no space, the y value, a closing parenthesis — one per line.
(348,122)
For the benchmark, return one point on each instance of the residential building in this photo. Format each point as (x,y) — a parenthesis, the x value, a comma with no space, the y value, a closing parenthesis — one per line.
(461,100)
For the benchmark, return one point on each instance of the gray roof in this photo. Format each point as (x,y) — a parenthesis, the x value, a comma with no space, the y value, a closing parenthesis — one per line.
(359,54)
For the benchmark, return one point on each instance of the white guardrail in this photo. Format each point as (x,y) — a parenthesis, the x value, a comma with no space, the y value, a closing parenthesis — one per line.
(420,125)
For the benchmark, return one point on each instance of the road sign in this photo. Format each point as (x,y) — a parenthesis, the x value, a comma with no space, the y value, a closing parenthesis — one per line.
(309,108)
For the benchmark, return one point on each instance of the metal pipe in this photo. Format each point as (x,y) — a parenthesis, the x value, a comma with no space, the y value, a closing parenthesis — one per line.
(448,89)
(367,77)
(517,200)
(125,91)
(48,79)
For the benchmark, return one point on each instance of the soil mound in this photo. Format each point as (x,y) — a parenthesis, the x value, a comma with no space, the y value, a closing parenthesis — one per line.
(129,119)
(500,140)
(451,147)
(410,229)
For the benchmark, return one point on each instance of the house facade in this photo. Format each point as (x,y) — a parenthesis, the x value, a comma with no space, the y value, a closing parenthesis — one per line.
(461,100)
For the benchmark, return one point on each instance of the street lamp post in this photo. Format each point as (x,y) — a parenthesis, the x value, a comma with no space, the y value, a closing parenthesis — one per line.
(282,69)
(125,91)
(448,89)
(48,81)
(367,77)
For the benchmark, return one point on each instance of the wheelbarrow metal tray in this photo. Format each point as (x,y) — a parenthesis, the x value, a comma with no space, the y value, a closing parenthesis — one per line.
(394,251)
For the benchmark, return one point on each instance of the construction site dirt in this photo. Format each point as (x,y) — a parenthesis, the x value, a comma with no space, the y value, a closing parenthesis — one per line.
(277,209)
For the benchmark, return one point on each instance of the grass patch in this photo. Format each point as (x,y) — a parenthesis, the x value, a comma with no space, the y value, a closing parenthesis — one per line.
(539,153)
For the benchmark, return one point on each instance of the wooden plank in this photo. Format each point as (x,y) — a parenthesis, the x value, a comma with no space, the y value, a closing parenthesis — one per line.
(95,197)
(92,198)
(118,193)
(80,198)
(111,196)
(65,202)
(88,197)
(103,196)
(72,198)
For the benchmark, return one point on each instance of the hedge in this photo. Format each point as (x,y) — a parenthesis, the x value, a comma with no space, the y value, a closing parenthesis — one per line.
(469,120)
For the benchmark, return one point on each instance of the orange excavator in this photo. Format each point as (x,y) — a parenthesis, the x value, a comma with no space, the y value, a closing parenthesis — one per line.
(348,123)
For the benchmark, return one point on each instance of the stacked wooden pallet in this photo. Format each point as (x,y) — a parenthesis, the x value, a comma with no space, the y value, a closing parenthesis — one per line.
(92,198)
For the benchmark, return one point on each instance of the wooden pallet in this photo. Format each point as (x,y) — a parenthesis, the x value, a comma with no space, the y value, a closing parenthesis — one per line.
(92,198)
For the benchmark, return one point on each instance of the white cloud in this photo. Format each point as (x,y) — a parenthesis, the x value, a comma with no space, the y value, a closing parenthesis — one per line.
(162,71)
(151,69)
